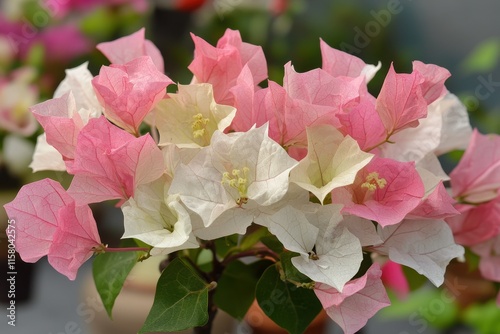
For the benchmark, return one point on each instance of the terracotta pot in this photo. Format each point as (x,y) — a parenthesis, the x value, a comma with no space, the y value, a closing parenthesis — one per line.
(467,286)
(262,324)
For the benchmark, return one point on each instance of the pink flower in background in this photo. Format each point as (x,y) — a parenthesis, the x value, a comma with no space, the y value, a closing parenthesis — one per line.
(60,8)
(17,94)
(63,43)
(394,278)
(49,223)
(130,91)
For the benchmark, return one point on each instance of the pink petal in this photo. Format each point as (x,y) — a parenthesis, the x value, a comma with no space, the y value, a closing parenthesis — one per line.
(489,266)
(363,123)
(476,178)
(435,76)
(74,239)
(400,103)
(110,163)
(129,92)
(438,205)
(388,205)
(222,65)
(475,224)
(339,63)
(125,49)
(360,299)
(35,212)
(61,122)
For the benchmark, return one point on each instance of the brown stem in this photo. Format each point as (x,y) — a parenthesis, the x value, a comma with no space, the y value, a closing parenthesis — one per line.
(259,252)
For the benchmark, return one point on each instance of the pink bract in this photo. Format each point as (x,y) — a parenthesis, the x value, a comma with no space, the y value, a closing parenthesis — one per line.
(360,299)
(110,163)
(48,223)
(125,49)
(129,92)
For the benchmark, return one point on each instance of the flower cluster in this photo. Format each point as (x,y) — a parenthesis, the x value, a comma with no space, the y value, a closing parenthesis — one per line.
(334,183)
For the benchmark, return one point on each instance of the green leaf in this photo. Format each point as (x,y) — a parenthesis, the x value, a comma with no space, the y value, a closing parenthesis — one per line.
(289,269)
(483,58)
(287,305)
(415,280)
(484,318)
(181,300)
(238,279)
(250,239)
(225,244)
(110,271)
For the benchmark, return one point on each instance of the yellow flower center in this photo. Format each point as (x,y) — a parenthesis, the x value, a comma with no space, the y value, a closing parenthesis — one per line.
(237,179)
(199,124)
(373,181)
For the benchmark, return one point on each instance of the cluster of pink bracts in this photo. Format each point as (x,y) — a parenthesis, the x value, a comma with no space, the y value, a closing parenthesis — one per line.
(224,153)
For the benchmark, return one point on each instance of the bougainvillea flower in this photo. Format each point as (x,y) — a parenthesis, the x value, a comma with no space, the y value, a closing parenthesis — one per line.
(56,114)
(78,81)
(476,178)
(385,190)
(364,124)
(221,65)
(127,48)
(56,39)
(130,91)
(489,263)
(110,163)
(400,103)
(424,245)
(238,170)
(190,117)
(48,223)
(158,220)
(337,253)
(360,299)
(340,63)
(476,223)
(434,78)
(445,128)
(46,157)
(332,161)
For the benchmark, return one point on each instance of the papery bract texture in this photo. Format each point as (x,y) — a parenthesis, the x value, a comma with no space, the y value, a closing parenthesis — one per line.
(476,178)
(385,191)
(110,163)
(221,65)
(190,117)
(337,255)
(332,161)
(360,299)
(400,103)
(340,63)
(130,91)
(475,224)
(55,115)
(237,170)
(48,223)
(78,81)
(157,219)
(127,48)
(74,240)
(46,157)
(424,245)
